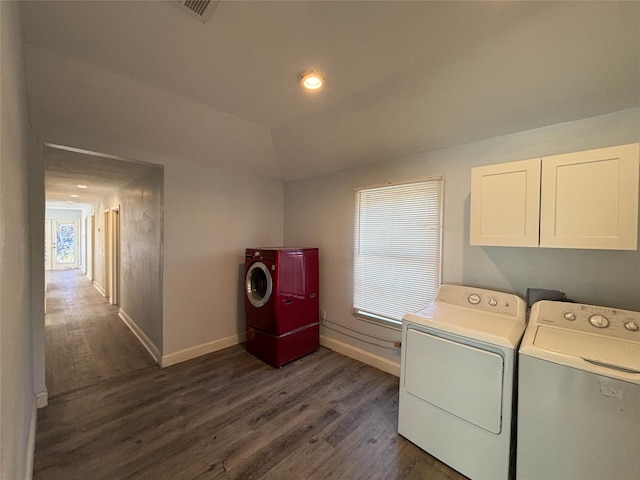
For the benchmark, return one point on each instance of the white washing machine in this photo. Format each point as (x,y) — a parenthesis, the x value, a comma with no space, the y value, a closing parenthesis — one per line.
(457,379)
(579,393)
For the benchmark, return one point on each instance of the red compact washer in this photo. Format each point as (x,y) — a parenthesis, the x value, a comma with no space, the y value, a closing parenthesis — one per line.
(281,303)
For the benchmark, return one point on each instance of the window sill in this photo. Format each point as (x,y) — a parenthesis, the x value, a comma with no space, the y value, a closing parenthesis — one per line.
(378,320)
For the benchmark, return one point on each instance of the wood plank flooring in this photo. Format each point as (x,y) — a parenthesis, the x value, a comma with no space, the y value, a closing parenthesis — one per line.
(227,415)
(85,340)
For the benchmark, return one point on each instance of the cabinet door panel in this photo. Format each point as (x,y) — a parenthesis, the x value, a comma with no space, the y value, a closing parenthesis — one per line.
(505,204)
(590,199)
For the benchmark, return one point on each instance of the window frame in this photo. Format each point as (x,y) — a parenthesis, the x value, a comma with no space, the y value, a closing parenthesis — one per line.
(377,318)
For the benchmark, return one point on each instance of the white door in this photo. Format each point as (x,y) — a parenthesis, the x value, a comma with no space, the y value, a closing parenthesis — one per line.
(61,244)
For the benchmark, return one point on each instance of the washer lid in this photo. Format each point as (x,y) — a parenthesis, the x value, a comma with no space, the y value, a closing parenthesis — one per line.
(603,351)
(496,329)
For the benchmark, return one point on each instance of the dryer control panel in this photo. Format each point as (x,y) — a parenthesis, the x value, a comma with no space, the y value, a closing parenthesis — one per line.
(603,321)
(481,299)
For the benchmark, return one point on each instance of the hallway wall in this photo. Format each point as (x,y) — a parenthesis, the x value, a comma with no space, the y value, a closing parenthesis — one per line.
(17,400)
(141,240)
(140,203)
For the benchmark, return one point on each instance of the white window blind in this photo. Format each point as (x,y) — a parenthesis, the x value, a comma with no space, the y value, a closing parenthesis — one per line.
(397,249)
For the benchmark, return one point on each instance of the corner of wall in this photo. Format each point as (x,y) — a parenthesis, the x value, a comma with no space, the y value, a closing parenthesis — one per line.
(202,349)
(31,445)
(42,398)
(153,350)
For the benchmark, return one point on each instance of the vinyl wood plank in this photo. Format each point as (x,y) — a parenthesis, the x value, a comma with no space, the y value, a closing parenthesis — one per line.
(225,415)
(85,340)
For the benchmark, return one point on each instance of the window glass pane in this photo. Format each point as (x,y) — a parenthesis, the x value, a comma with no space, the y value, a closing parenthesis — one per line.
(397,248)
(65,240)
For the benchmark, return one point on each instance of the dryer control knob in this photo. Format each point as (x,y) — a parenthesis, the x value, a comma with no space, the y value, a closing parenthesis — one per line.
(493,302)
(570,316)
(631,326)
(599,321)
(474,299)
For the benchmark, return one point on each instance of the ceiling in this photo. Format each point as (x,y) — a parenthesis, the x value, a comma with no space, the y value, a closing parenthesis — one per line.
(401,77)
(66,168)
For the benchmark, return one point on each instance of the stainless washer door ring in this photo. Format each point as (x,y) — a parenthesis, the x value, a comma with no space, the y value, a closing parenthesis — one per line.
(258,284)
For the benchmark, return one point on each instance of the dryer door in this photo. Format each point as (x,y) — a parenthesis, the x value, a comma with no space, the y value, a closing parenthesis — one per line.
(258,284)
(461,379)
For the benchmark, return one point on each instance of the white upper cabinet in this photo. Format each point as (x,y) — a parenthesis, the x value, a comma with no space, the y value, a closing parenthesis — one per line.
(579,200)
(505,204)
(590,199)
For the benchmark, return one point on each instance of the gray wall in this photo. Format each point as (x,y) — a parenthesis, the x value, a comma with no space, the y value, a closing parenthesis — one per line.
(140,203)
(141,234)
(17,401)
(62,213)
(211,216)
(320,211)
(37,209)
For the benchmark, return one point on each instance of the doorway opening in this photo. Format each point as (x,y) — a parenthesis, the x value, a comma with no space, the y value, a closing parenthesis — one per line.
(114,278)
(112,295)
(61,244)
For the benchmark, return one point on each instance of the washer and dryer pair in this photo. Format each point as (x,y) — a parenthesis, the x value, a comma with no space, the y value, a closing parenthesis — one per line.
(281,303)
(576,386)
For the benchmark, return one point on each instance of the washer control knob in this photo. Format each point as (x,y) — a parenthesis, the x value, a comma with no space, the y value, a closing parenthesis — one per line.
(599,321)
(631,326)
(493,302)
(570,316)
(474,299)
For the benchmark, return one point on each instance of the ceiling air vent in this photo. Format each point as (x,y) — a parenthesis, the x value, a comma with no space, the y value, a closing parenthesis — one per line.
(202,9)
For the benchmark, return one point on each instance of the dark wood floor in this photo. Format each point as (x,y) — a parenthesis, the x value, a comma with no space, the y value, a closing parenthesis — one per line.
(85,340)
(228,415)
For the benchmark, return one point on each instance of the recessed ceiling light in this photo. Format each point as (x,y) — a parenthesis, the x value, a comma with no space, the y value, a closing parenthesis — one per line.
(312,81)
(82,186)
(69,201)
(74,196)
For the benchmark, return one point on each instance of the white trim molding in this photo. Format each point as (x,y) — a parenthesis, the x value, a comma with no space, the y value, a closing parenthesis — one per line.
(363,356)
(202,349)
(100,289)
(137,331)
(42,399)
(31,445)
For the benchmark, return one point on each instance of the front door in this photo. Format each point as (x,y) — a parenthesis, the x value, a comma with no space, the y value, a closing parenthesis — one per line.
(61,244)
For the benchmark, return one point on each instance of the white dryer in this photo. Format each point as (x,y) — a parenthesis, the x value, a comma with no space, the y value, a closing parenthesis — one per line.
(579,393)
(457,379)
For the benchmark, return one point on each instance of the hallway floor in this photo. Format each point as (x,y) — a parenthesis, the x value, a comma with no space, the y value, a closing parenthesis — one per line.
(85,341)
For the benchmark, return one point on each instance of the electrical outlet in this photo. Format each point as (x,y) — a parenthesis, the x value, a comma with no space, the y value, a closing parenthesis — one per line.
(323,314)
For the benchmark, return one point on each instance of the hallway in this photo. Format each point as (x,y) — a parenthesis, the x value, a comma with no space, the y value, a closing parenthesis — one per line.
(86,342)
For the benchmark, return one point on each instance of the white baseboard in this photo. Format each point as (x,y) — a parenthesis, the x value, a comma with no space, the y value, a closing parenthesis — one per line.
(42,399)
(31,445)
(137,331)
(100,289)
(203,349)
(363,356)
